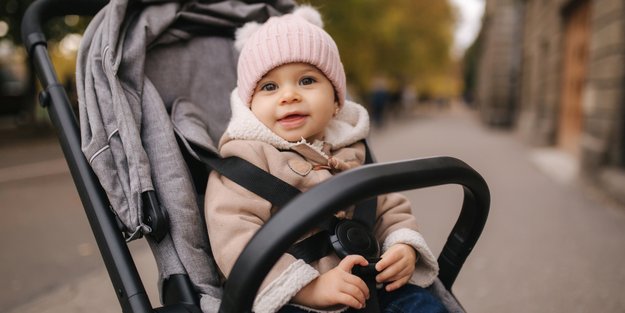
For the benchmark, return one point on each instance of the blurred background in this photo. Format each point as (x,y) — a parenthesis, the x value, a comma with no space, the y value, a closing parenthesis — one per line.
(528,92)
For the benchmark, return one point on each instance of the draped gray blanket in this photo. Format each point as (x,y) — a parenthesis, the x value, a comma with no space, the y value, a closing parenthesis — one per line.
(129,75)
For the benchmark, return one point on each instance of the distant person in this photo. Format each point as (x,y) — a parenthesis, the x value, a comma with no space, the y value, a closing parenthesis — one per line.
(408,98)
(468,98)
(290,118)
(380,98)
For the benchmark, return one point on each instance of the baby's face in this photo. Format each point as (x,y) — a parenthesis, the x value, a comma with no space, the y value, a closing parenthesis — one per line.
(295,101)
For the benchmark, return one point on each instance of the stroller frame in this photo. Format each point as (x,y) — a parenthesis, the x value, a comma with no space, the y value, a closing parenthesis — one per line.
(272,240)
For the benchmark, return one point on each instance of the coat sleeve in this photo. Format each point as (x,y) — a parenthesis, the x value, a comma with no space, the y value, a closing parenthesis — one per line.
(233,216)
(395,224)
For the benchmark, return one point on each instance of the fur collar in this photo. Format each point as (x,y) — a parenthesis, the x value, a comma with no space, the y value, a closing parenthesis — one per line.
(348,127)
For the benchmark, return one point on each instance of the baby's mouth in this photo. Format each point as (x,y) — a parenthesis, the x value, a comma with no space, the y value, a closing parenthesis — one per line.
(292,120)
(292,117)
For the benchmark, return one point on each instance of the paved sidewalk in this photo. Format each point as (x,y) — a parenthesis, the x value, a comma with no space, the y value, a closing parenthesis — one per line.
(94,292)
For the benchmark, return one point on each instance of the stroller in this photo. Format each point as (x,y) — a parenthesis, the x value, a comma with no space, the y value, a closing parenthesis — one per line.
(146,176)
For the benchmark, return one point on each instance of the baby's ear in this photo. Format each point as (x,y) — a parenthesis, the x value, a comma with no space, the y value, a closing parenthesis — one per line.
(244,33)
(310,14)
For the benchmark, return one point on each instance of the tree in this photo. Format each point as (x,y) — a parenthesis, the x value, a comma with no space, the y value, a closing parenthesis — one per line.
(405,40)
(470,64)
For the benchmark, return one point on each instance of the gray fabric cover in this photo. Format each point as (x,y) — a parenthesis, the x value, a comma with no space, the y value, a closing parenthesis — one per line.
(200,106)
(126,132)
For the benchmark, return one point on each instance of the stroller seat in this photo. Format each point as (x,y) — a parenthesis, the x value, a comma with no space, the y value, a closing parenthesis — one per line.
(154,79)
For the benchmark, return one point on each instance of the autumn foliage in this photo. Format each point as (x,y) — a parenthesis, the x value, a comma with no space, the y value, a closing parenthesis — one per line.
(405,41)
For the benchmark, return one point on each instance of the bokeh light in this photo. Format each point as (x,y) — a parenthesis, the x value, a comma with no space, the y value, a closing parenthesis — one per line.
(4,28)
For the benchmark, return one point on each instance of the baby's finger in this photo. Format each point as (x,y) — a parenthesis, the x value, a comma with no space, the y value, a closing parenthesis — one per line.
(394,272)
(349,300)
(397,284)
(359,283)
(386,260)
(388,273)
(355,292)
(349,261)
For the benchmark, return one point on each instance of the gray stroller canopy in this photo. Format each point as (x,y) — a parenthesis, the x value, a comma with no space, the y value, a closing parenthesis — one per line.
(148,69)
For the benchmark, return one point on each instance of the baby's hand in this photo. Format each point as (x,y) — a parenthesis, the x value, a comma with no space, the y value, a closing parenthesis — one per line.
(336,287)
(396,266)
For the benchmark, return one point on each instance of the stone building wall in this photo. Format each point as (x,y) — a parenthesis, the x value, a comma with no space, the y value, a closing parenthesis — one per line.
(602,140)
(541,64)
(499,62)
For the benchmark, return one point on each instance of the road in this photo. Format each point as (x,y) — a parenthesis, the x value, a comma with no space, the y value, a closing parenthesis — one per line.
(551,244)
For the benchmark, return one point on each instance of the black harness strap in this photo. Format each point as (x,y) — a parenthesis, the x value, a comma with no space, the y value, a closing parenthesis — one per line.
(365,211)
(312,248)
(249,176)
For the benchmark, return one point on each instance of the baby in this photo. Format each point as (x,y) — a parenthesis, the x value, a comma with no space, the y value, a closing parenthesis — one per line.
(290,118)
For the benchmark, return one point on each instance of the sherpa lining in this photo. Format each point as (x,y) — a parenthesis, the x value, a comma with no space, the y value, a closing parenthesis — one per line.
(284,287)
(426,269)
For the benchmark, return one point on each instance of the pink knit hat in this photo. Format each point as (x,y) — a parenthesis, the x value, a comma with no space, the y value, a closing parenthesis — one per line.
(295,37)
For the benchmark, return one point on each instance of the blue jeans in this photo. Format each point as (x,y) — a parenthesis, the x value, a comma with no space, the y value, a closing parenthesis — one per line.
(407,299)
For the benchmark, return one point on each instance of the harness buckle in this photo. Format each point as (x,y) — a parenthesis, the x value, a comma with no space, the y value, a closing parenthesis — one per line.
(353,237)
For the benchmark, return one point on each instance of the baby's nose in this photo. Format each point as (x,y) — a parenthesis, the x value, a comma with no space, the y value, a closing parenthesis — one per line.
(290,96)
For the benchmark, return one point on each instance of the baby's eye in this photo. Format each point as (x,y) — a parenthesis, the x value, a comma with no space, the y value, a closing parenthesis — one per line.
(269,87)
(307,81)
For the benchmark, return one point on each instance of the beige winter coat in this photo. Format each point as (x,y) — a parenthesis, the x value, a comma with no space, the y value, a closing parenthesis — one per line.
(234,214)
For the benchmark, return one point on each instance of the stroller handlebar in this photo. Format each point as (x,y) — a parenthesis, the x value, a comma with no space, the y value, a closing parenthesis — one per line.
(40,11)
(310,209)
